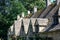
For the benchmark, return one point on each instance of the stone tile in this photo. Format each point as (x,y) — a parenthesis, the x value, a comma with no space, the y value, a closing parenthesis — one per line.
(26,24)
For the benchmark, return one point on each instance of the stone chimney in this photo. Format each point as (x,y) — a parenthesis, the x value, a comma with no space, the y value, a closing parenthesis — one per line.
(35,9)
(22,14)
(59,11)
(58,1)
(18,17)
(28,12)
(59,15)
(48,2)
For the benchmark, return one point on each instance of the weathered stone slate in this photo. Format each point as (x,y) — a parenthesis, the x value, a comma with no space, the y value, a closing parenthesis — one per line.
(22,31)
(42,21)
(36,26)
(30,30)
(50,16)
(26,24)
(33,22)
(17,27)
(57,27)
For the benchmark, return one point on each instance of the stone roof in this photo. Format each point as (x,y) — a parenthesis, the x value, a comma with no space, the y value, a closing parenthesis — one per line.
(52,12)
(46,11)
(57,27)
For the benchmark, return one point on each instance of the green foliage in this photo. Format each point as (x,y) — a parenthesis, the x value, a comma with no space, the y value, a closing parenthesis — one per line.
(17,7)
(29,4)
(7,19)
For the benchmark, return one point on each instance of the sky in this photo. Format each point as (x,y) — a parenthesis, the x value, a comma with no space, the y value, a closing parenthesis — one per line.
(52,0)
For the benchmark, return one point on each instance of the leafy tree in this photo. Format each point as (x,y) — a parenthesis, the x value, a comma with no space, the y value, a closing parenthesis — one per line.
(29,4)
(7,19)
(17,7)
